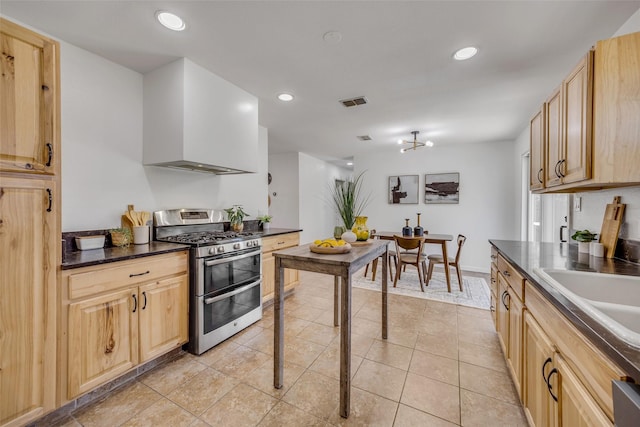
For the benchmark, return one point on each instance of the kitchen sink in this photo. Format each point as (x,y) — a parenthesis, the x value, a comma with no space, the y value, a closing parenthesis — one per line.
(611,300)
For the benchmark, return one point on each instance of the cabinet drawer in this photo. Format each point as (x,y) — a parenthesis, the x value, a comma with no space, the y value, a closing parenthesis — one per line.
(515,280)
(494,256)
(93,280)
(591,366)
(281,241)
(494,279)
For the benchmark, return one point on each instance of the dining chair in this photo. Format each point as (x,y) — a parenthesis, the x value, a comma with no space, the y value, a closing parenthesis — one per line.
(405,255)
(451,262)
(392,254)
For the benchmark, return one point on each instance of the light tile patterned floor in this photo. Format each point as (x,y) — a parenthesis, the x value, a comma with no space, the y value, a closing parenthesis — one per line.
(440,366)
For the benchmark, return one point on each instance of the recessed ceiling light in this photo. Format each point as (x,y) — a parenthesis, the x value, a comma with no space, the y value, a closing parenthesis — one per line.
(429,143)
(349,163)
(285,97)
(332,37)
(465,53)
(170,20)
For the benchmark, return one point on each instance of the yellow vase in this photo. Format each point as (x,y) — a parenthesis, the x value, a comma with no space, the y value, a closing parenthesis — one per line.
(360,229)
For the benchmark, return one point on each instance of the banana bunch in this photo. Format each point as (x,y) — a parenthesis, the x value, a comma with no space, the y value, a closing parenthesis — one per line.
(329,243)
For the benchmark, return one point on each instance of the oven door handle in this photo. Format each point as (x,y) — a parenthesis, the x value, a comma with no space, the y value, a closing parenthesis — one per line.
(230,294)
(231,258)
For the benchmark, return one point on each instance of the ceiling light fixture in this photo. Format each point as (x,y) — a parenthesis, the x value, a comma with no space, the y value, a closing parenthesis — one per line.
(415,144)
(349,163)
(465,53)
(170,20)
(285,97)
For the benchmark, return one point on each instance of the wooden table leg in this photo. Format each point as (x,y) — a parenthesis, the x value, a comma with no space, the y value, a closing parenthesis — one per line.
(336,300)
(374,268)
(345,346)
(278,327)
(385,266)
(445,257)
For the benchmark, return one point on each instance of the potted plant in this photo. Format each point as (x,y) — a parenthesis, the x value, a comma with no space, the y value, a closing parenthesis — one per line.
(349,202)
(121,236)
(583,237)
(265,220)
(236,216)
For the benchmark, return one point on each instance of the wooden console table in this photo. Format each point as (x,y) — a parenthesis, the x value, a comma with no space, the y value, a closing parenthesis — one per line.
(342,267)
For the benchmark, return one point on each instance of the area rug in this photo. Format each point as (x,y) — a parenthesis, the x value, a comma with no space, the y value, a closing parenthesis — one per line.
(475,291)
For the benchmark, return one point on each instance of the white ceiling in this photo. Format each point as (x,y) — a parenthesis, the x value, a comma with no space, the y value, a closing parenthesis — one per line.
(396,53)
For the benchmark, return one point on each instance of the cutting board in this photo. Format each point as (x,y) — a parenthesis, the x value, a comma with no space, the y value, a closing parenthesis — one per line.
(611,223)
(126,222)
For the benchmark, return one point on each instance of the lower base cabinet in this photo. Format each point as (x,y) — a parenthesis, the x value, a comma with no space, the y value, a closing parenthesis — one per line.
(291,277)
(113,325)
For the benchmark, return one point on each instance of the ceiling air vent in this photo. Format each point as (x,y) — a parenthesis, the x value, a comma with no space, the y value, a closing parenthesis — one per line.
(360,100)
(364,138)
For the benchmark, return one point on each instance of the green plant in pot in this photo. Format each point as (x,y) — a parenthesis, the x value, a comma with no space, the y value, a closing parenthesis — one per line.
(265,220)
(236,216)
(349,202)
(583,237)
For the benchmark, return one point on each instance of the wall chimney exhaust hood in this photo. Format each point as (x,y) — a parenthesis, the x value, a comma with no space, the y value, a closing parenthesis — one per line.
(197,121)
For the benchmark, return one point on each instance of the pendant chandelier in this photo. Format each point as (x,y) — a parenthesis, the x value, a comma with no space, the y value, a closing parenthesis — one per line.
(415,144)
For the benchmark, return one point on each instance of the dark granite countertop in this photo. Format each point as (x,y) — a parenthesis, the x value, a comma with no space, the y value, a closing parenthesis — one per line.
(77,259)
(526,256)
(277,231)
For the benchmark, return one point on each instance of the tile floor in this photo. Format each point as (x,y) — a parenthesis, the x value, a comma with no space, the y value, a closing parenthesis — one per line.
(440,366)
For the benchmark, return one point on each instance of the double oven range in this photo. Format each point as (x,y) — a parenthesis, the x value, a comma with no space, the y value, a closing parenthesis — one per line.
(225,273)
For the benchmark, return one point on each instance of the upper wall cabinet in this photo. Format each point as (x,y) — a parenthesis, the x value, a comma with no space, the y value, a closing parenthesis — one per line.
(198,121)
(592,123)
(537,150)
(28,101)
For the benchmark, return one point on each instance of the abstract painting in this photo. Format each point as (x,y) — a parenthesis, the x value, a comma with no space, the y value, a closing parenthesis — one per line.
(442,188)
(403,189)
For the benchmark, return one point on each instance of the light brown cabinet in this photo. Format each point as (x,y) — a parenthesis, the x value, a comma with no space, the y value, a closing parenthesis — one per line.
(592,123)
(29,223)
(568,127)
(29,102)
(291,277)
(537,150)
(119,315)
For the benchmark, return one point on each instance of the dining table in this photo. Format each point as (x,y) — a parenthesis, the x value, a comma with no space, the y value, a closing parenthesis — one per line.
(342,267)
(440,239)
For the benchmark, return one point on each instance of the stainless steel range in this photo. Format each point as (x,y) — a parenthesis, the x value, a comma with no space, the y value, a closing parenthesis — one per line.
(225,273)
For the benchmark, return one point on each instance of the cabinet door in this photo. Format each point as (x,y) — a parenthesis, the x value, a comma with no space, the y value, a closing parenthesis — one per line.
(502,314)
(577,94)
(515,339)
(540,407)
(28,259)
(164,316)
(553,136)
(577,407)
(29,101)
(537,150)
(103,339)
(268,272)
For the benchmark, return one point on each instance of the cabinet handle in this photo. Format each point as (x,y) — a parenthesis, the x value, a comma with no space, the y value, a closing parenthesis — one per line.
(50,152)
(281,243)
(506,273)
(144,294)
(492,308)
(135,302)
(140,274)
(557,170)
(553,371)
(493,257)
(562,162)
(505,294)
(493,280)
(544,365)
(539,179)
(50,196)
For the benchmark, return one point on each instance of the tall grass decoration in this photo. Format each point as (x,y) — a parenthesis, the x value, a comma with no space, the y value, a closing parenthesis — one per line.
(348,200)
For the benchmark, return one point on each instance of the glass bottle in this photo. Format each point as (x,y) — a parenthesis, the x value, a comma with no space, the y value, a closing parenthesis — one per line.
(406,230)
(360,228)
(417,230)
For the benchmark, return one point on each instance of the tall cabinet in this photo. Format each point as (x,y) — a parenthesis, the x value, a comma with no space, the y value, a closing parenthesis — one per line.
(29,222)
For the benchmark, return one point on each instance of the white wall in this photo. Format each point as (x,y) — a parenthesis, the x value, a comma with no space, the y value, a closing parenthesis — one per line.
(486,209)
(285,203)
(102,167)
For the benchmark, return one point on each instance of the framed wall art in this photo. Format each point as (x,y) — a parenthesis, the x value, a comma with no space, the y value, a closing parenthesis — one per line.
(403,189)
(442,188)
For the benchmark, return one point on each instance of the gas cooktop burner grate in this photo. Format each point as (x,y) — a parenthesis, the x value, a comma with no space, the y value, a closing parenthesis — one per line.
(210,237)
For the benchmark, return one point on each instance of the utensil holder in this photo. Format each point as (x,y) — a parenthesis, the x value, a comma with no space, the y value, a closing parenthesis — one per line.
(141,235)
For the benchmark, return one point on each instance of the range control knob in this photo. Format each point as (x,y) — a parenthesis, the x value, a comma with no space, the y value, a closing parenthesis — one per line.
(212,251)
(221,249)
(236,246)
(250,244)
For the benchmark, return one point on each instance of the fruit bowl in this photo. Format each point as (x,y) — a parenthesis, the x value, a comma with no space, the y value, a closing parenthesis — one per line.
(330,246)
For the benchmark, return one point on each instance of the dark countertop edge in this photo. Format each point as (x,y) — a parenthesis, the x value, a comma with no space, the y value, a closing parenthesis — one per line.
(626,356)
(279,231)
(80,259)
